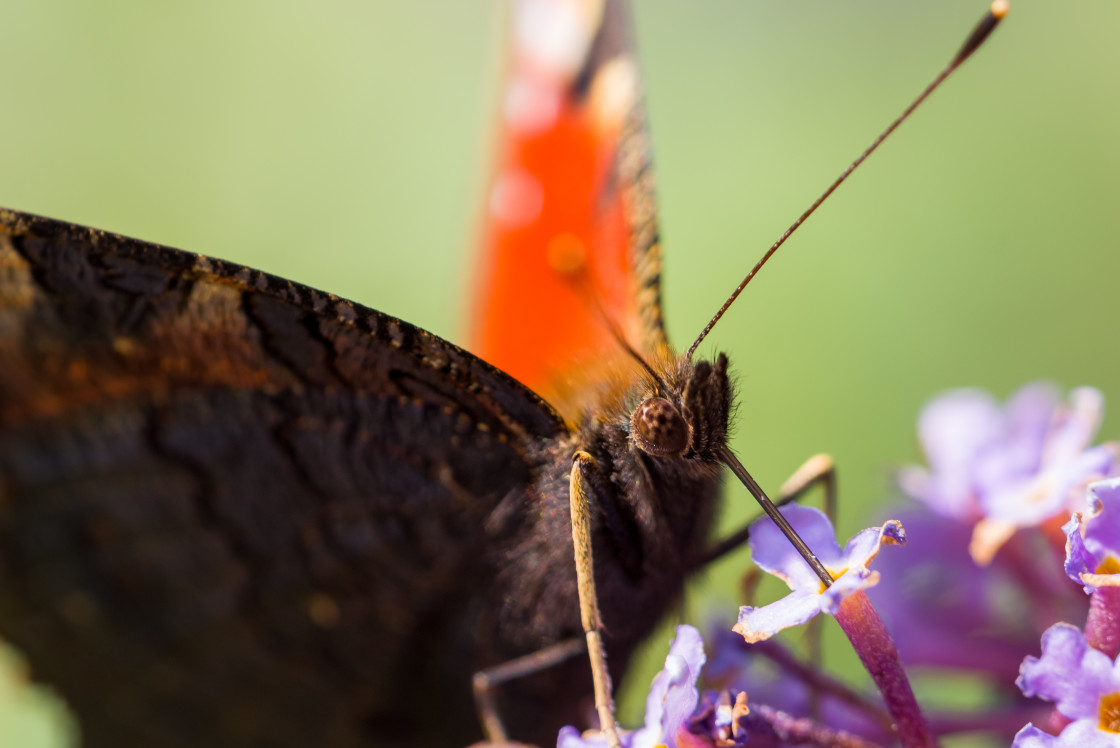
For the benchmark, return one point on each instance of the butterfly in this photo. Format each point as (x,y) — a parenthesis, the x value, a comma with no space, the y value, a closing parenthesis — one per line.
(241,511)
(331,482)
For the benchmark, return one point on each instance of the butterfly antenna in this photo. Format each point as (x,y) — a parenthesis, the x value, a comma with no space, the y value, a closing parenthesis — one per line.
(584,286)
(996,12)
(617,334)
(980,33)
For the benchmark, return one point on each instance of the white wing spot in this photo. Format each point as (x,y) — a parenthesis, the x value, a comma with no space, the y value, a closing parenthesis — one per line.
(531,105)
(613,94)
(516,198)
(554,35)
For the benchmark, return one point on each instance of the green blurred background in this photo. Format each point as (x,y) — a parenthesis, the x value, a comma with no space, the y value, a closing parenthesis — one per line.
(346,145)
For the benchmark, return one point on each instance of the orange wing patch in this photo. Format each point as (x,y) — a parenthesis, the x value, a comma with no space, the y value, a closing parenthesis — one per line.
(570,245)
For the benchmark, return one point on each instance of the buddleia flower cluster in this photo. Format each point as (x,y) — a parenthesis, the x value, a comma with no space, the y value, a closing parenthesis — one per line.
(1009,578)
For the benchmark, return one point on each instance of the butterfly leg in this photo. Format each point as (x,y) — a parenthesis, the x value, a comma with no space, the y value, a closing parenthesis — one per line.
(818,469)
(485,681)
(583,465)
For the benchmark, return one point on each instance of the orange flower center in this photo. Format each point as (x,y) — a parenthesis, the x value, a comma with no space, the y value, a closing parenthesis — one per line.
(835,575)
(1110,713)
(1110,565)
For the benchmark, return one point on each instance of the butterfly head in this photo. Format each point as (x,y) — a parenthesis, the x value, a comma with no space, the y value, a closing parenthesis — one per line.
(686,413)
(659,428)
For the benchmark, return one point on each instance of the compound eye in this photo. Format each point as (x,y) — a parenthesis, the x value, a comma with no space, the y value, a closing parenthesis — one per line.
(658,428)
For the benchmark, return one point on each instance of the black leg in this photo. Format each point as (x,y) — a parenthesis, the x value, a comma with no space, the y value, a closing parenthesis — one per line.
(486,680)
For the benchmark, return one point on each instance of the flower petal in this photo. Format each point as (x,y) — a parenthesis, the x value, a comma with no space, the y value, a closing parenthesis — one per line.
(759,624)
(1083,733)
(1103,519)
(854,579)
(1093,539)
(672,699)
(774,554)
(865,545)
(1029,737)
(953,429)
(673,695)
(1079,560)
(1011,468)
(1076,425)
(1070,673)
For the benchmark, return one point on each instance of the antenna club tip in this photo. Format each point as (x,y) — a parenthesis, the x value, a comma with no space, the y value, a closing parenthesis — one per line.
(999,8)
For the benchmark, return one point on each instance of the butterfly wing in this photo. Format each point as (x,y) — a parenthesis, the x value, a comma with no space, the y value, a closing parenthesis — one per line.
(235,510)
(571,242)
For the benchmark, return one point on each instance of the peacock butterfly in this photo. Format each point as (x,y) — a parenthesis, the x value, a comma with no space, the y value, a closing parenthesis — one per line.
(242,511)
(238,510)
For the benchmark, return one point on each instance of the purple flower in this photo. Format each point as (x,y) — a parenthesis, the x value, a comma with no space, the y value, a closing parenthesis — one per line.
(672,700)
(1093,539)
(945,612)
(774,554)
(778,680)
(1078,735)
(1084,684)
(718,721)
(1010,467)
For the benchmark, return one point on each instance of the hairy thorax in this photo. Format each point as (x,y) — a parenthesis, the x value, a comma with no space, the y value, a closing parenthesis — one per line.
(652,502)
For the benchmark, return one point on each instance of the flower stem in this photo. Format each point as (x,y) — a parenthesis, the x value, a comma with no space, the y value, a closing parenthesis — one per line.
(1102,627)
(879,655)
(819,682)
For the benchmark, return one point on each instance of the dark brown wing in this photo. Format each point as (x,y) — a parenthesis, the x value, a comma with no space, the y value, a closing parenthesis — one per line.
(235,510)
